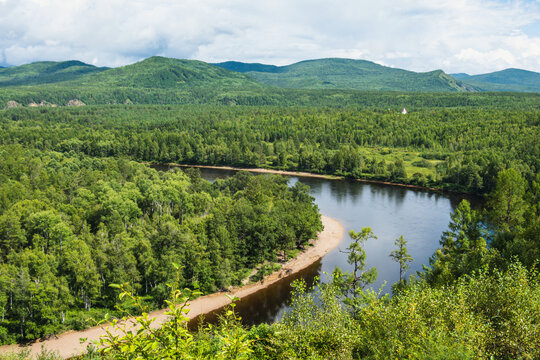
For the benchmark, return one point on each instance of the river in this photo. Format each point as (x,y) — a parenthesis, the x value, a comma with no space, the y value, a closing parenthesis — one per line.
(419,215)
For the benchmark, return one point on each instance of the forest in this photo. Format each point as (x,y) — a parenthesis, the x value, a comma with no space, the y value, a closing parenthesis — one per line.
(81,210)
(72,225)
(255,95)
(456,149)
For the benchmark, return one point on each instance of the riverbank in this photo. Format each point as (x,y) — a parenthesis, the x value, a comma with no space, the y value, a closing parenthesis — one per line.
(302,174)
(68,344)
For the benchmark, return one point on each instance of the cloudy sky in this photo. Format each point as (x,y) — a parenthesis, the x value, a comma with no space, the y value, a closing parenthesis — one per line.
(473,36)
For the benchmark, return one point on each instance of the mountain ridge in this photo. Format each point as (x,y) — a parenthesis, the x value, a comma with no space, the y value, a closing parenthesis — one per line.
(510,79)
(167,73)
(174,77)
(45,72)
(348,74)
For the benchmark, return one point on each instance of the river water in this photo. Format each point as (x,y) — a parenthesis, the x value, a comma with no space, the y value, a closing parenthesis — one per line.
(419,215)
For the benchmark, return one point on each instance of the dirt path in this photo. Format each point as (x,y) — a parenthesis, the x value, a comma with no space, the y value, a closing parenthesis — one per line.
(68,344)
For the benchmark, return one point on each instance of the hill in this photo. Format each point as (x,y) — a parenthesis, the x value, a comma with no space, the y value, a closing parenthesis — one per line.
(159,80)
(348,74)
(45,72)
(504,80)
(166,73)
(247,67)
(155,72)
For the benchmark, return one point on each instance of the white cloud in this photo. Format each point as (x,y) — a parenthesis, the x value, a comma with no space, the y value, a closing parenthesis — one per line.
(457,35)
(498,56)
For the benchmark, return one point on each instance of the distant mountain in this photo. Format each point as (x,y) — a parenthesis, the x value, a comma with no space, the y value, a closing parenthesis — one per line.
(505,80)
(335,73)
(166,73)
(155,72)
(159,80)
(460,76)
(45,72)
(247,67)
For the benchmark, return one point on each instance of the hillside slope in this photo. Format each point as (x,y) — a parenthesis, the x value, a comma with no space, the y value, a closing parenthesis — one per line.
(504,80)
(159,80)
(45,72)
(247,67)
(166,73)
(348,74)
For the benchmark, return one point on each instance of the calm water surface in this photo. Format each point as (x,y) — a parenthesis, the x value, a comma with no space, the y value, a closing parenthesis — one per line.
(420,216)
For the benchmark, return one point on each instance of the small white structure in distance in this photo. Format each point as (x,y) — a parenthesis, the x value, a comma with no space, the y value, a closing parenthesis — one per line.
(404,111)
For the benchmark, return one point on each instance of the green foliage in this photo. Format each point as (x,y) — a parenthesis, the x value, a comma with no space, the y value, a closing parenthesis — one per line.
(166,73)
(352,285)
(316,326)
(402,257)
(171,81)
(467,148)
(77,224)
(482,316)
(464,248)
(77,214)
(348,74)
(135,337)
(159,80)
(514,212)
(506,202)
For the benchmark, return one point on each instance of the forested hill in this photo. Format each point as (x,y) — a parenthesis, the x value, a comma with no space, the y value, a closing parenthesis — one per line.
(154,72)
(164,73)
(168,73)
(349,74)
(45,72)
(504,80)
(159,80)
(247,67)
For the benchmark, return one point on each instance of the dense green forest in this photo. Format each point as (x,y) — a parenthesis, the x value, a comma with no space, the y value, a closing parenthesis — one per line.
(52,94)
(473,302)
(71,225)
(79,212)
(460,149)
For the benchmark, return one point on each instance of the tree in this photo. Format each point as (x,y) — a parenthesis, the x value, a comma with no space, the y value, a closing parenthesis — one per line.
(507,202)
(464,247)
(401,256)
(352,284)
(140,338)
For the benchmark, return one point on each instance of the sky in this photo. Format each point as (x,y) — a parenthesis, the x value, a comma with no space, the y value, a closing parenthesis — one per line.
(472,36)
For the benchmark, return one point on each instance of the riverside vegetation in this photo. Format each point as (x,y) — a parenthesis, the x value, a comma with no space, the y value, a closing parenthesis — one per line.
(69,182)
(71,225)
(474,302)
(459,149)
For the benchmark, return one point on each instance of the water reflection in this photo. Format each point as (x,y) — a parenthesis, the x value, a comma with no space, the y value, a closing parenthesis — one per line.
(266,305)
(420,216)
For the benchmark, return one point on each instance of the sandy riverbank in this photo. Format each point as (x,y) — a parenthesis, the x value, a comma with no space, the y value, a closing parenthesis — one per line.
(253,170)
(301,174)
(68,345)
